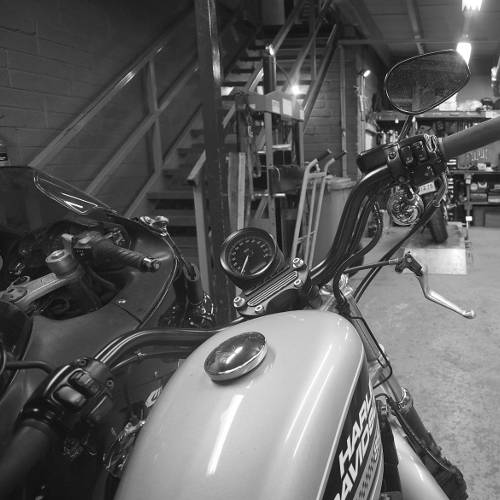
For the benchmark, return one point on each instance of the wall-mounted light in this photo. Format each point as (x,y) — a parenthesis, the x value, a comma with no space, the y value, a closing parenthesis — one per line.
(364,73)
(464,49)
(471,4)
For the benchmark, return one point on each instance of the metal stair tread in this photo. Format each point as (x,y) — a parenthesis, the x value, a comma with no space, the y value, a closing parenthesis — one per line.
(177,217)
(171,194)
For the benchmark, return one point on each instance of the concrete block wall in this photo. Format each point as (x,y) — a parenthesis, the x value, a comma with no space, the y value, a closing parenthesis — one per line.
(324,127)
(55,56)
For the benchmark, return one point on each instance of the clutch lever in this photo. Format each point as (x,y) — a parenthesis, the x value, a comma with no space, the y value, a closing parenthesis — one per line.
(409,262)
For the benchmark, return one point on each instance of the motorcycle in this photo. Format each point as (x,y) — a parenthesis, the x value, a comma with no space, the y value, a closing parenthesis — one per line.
(74,275)
(296,398)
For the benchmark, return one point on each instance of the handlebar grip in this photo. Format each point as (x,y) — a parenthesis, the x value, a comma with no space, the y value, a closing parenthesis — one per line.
(28,446)
(471,138)
(324,154)
(106,249)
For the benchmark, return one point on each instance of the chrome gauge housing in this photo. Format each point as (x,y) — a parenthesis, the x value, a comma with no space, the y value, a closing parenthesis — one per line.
(249,256)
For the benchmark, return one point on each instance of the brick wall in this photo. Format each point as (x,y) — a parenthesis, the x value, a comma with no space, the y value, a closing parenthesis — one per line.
(56,55)
(324,127)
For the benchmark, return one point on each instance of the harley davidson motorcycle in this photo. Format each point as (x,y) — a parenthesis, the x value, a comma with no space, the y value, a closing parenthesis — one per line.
(75,275)
(295,399)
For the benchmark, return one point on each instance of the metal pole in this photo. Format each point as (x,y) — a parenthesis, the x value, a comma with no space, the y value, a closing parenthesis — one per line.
(210,88)
(343,113)
(269,66)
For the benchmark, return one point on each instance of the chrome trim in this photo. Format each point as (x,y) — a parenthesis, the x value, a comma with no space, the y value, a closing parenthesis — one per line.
(236,356)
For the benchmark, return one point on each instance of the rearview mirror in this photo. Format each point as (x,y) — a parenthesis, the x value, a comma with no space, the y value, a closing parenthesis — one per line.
(420,83)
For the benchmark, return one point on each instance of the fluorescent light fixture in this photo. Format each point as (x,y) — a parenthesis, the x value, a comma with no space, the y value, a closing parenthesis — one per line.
(471,4)
(464,49)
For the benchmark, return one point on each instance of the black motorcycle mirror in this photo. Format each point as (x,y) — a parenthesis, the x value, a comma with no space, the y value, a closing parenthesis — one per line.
(421,83)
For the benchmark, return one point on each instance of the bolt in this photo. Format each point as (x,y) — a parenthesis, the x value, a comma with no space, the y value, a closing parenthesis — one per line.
(238,301)
(297,263)
(81,362)
(259,309)
(392,155)
(110,384)
(298,283)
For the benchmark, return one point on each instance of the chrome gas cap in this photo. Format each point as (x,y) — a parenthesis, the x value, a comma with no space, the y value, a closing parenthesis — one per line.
(236,356)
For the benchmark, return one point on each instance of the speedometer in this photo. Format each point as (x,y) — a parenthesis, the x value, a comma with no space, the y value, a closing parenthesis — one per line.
(250,255)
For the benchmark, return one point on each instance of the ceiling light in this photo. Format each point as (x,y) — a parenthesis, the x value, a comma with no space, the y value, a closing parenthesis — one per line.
(471,4)
(295,89)
(464,49)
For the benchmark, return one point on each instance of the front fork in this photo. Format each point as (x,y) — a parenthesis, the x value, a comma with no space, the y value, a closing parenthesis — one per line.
(410,432)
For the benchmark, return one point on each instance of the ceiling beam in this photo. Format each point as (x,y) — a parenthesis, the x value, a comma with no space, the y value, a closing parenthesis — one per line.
(415,25)
(406,41)
(356,13)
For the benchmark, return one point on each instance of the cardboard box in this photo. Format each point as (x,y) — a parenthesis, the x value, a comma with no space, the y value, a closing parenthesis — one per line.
(492,219)
(478,216)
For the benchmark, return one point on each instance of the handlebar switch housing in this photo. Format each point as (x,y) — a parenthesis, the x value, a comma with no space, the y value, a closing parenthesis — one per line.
(78,392)
(420,157)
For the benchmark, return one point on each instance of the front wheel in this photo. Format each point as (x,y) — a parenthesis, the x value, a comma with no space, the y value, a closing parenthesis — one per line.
(438,224)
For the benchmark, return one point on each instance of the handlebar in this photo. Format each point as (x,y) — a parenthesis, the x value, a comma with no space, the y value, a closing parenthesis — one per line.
(106,249)
(416,160)
(471,138)
(29,445)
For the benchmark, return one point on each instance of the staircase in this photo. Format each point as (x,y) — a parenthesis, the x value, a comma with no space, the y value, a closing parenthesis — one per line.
(299,60)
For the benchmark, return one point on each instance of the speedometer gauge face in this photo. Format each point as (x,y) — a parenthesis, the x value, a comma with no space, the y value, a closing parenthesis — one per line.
(250,254)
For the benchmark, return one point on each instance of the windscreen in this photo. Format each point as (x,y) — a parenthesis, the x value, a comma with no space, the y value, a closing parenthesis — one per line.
(30,199)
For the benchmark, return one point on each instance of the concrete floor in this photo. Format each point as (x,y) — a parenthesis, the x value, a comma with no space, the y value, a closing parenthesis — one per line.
(450,364)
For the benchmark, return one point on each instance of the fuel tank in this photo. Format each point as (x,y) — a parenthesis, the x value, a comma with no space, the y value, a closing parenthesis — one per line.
(302,424)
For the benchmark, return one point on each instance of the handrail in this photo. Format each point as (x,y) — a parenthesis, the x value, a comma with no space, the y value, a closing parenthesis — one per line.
(104,97)
(139,131)
(111,90)
(294,72)
(283,32)
(315,86)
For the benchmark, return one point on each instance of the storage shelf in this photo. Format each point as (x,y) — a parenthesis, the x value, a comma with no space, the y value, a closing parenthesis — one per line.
(473,172)
(484,203)
(440,115)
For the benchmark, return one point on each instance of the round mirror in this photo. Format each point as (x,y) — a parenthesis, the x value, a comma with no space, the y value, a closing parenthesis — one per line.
(419,84)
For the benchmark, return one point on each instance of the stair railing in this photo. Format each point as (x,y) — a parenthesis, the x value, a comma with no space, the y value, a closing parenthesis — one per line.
(316,21)
(107,95)
(151,122)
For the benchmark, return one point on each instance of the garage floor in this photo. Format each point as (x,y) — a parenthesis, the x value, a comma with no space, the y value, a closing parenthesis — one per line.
(450,364)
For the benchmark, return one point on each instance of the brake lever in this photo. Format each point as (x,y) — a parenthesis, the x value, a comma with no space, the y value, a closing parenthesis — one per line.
(420,271)
(434,296)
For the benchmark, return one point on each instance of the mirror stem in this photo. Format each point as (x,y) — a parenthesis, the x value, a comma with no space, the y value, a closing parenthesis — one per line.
(405,128)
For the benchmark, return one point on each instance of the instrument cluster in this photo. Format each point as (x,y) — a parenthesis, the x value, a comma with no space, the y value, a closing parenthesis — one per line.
(253,262)
(250,256)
